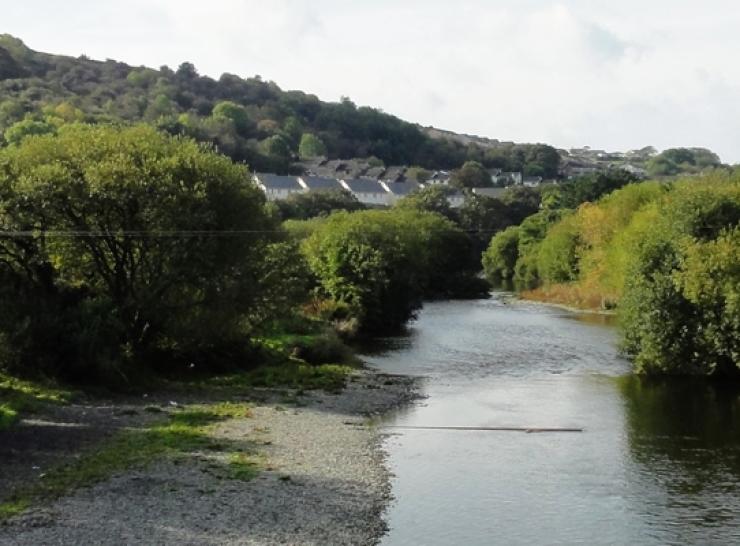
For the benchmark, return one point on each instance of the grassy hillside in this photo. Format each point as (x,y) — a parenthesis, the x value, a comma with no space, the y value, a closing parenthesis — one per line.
(249,119)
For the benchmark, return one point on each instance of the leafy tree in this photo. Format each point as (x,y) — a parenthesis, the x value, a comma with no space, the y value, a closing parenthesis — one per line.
(418,174)
(499,260)
(591,187)
(472,175)
(380,264)
(236,113)
(541,160)
(522,202)
(28,127)
(683,160)
(138,278)
(311,147)
(430,199)
(483,217)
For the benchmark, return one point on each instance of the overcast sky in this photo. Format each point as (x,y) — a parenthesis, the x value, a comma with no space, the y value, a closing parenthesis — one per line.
(608,74)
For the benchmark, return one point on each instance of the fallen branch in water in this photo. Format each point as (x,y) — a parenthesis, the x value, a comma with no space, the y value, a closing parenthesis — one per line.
(528,430)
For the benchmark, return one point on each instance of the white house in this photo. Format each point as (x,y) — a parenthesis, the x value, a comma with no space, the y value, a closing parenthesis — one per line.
(278,187)
(368,192)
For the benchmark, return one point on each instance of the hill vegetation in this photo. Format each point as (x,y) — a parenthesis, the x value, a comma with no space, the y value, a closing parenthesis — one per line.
(250,120)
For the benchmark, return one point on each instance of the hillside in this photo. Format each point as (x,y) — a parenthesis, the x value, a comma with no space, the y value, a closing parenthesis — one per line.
(249,119)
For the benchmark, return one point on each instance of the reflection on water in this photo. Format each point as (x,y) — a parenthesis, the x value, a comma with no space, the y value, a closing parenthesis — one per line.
(657,464)
(684,438)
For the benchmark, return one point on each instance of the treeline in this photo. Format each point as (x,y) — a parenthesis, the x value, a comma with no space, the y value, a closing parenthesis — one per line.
(665,255)
(250,120)
(124,251)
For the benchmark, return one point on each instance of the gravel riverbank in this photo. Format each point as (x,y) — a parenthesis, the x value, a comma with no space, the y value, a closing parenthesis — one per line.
(324,482)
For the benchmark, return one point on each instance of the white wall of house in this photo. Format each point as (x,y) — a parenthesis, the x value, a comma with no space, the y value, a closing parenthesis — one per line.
(278,194)
(373,198)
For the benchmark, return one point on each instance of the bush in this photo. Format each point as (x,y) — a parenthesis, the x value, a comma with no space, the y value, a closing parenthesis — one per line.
(499,261)
(680,312)
(379,265)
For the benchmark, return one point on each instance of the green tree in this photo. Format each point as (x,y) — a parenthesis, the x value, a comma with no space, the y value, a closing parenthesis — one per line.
(472,175)
(499,260)
(145,281)
(311,147)
(430,199)
(418,174)
(380,264)
(28,127)
(237,114)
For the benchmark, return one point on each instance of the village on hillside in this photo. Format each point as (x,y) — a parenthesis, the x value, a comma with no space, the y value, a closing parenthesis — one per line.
(374,184)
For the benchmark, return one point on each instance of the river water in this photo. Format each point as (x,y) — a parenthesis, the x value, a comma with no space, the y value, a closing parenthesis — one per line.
(657,463)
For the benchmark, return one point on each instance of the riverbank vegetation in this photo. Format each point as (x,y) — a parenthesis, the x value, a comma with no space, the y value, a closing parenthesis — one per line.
(665,255)
(129,256)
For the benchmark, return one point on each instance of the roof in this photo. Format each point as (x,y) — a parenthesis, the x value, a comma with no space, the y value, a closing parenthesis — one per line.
(403,188)
(321,183)
(365,185)
(277,182)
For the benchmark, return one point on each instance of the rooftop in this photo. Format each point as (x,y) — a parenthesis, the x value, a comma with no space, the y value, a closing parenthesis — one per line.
(278,182)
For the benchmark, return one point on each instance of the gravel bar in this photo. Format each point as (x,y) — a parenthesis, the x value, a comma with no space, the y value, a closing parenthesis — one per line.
(325,483)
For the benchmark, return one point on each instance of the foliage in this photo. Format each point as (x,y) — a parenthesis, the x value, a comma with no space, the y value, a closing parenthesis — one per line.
(136,273)
(471,175)
(304,206)
(529,159)
(380,264)
(666,255)
(28,127)
(418,174)
(237,115)
(680,307)
(588,188)
(499,260)
(311,147)
(482,217)
(683,160)
(430,199)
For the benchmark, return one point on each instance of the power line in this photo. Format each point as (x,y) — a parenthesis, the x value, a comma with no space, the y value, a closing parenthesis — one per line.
(169,234)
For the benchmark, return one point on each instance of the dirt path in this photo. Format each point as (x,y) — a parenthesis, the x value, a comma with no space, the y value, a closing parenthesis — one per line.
(324,483)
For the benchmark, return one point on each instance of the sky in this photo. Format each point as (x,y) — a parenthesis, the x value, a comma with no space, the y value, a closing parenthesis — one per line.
(613,75)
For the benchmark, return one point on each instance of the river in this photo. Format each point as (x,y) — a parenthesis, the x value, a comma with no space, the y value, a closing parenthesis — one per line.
(657,463)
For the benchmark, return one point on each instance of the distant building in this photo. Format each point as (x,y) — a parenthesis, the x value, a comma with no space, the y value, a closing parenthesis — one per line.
(532,181)
(278,187)
(313,183)
(507,178)
(367,191)
(637,171)
(439,177)
(399,190)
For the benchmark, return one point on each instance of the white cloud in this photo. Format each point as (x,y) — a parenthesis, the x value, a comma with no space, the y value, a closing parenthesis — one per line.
(570,72)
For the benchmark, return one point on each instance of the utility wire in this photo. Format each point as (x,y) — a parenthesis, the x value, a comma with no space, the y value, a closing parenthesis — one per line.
(168,234)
